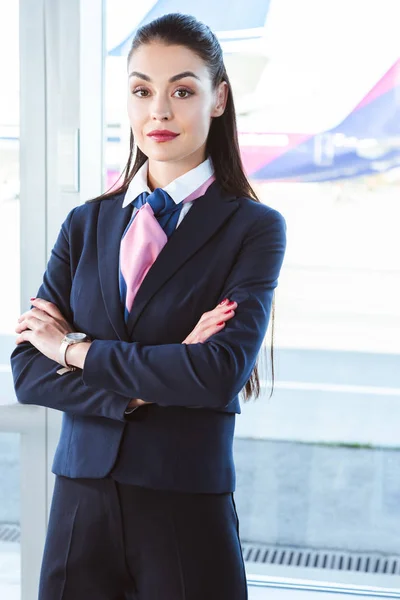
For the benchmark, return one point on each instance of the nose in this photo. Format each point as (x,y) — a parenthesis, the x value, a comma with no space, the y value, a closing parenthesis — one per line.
(160,109)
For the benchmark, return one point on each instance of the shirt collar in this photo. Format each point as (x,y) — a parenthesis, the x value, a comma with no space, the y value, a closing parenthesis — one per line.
(179,189)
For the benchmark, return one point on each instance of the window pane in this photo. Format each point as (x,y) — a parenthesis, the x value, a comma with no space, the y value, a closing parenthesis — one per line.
(9,191)
(10,583)
(10,550)
(316,462)
(318,129)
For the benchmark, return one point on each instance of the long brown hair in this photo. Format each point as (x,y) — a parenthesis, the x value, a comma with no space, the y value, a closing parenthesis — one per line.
(222,142)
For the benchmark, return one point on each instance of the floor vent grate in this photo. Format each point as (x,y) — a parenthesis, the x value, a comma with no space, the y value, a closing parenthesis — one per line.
(321,559)
(10,532)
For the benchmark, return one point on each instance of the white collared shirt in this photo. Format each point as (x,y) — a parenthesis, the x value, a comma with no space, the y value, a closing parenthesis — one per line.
(179,189)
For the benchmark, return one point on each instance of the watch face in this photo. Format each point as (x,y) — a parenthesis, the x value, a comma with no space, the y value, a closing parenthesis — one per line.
(76,337)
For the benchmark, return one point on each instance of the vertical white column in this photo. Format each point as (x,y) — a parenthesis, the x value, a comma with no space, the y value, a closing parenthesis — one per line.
(33,198)
(33,192)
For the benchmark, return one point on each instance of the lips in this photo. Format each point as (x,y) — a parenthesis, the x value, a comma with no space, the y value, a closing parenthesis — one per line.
(162,135)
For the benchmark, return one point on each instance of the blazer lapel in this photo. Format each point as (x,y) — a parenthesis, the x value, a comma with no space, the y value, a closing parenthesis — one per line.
(111,224)
(205,217)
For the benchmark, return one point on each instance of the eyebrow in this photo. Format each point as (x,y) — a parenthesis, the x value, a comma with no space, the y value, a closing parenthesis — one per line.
(171,80)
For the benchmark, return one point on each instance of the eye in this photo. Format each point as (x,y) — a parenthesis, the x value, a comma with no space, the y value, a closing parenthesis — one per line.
(137,92)
(184,91)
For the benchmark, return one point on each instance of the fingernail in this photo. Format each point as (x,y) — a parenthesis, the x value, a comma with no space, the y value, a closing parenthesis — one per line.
(230,303)
(227,311)
(32,299)
(223,301)
(221,323)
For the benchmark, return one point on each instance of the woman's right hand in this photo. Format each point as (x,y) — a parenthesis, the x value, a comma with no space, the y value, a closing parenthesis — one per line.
(209,323)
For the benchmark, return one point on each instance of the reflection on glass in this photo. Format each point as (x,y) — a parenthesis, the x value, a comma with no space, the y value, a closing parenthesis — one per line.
(10,551)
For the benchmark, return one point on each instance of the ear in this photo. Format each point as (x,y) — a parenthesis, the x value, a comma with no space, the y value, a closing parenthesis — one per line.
(221,99)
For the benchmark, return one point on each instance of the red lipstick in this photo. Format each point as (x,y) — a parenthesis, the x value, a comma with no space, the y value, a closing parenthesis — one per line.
(162,135)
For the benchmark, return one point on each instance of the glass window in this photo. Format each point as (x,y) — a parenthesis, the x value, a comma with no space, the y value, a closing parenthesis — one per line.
(10,550)
(316,462)
(10,578)
(9,188)
(318,107)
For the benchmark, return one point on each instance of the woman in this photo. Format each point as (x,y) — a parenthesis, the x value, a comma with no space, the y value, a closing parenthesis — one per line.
(171,278)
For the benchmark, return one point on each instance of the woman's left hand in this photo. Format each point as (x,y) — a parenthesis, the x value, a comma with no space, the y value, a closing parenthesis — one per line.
(44,327)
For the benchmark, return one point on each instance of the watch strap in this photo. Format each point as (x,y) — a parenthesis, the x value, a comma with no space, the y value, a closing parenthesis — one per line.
(62,352)
(65,342)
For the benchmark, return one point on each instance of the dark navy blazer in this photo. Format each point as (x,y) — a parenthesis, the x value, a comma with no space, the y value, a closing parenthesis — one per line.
(226,246)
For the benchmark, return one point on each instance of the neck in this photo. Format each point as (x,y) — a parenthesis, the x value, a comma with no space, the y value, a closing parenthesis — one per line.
(161,173)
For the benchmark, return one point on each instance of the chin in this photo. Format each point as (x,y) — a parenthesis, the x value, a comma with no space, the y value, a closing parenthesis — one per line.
(165,154)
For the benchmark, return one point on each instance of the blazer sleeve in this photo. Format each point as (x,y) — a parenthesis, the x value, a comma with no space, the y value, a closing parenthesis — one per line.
(208,374)
(35,378)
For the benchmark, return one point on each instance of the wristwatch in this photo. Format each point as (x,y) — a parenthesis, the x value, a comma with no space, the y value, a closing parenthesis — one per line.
(68,340)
